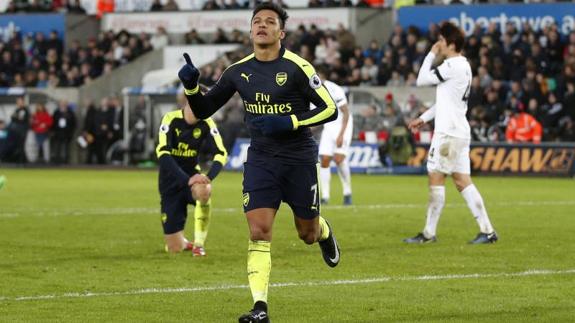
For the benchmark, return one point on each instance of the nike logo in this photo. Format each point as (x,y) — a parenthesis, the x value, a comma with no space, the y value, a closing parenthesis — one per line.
(247,77)
(336,258)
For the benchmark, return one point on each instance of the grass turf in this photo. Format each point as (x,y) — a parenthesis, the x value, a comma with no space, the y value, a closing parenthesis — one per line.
(69,234)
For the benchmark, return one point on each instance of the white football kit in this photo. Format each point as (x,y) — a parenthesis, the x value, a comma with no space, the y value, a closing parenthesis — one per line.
(449,150)
(327,144)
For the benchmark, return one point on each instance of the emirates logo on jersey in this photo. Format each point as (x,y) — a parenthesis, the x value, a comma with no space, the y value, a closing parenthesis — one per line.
(281,78)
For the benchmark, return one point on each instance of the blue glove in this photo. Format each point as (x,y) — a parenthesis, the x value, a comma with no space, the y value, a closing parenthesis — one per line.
(272,124)
(189,74)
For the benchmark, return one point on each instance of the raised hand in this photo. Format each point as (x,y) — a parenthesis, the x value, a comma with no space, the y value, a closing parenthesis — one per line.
(189,74)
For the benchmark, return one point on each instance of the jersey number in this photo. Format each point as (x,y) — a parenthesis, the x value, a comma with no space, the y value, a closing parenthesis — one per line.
(315,194)
(466,94)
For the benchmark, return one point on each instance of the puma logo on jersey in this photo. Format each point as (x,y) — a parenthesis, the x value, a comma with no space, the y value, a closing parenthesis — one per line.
(247,77)
(178,132)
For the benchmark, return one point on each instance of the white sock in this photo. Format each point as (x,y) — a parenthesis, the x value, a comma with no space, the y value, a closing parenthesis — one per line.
(345,176)
(325,175)
(434,207)
(475,204)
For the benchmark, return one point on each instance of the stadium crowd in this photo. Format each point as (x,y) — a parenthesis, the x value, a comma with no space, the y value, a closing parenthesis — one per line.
(523,89)
(34,60)
(522,79)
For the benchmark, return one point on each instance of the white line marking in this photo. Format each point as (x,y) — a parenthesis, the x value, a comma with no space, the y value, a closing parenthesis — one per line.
(375,280)
(151,210)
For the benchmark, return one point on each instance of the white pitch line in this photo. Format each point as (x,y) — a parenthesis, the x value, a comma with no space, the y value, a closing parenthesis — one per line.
(375,280)
(131,211)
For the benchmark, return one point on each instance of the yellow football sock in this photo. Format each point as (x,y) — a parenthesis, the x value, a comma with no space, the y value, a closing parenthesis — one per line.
(324,229)
(259,267)
(202,214)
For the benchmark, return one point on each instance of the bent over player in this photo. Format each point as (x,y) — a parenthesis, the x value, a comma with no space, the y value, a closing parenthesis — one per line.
(276,87)
(181,136)
(449,151)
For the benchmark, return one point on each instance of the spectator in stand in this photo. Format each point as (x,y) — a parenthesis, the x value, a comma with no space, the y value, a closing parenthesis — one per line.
(64,124)
(75,7)
(99,128)
(211,5)
(116,115)
(192,38)
(237,37)
(171,5)
(41,125)
(20,123)
(374,51)
(346,42)
(523,127)
(220,37)
(157,6)
(232,4)
(160,39)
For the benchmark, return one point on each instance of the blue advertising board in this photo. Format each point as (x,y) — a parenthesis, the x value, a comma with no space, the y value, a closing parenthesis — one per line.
(31,23)
(362,156)
(548,159)
(467,16)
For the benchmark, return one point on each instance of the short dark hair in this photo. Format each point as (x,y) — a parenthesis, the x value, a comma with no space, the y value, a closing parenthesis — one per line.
(282,14)
(453,35)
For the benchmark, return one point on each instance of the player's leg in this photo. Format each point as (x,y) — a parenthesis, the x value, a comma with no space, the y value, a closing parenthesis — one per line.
(340,157)
(326,148)
(436,169)
(305,205)
(174,213)
(260,223)
(325,175)
(262,198)
(463,183)
(344,176)
(201,193)
(477,207)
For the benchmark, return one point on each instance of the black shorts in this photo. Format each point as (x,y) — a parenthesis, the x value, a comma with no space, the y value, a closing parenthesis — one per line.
(175,209)
(267,183)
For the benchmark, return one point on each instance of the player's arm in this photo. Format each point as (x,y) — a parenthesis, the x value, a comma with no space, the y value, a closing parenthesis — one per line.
(163,153)
(204,106)
(312,88)
(429,75)
(220,153)
(425,117)
(340,100)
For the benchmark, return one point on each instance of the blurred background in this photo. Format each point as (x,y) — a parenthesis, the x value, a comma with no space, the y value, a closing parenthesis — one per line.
(86,82)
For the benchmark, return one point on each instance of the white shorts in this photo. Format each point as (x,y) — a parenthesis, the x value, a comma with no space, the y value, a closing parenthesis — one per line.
(448,155)
(327,144)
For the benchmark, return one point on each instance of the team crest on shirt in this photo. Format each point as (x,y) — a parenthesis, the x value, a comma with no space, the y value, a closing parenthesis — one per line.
(164,128)
(315,82)
(246,199)
(281,78)
(197,133)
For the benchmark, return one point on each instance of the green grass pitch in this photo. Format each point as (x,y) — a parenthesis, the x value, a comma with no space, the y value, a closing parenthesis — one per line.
(86,246)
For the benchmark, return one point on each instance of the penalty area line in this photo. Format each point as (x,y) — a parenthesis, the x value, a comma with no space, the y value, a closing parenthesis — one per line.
(375,280)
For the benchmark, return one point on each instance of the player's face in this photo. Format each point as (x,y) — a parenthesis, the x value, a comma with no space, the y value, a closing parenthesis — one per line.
(266,28)
(442,45)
